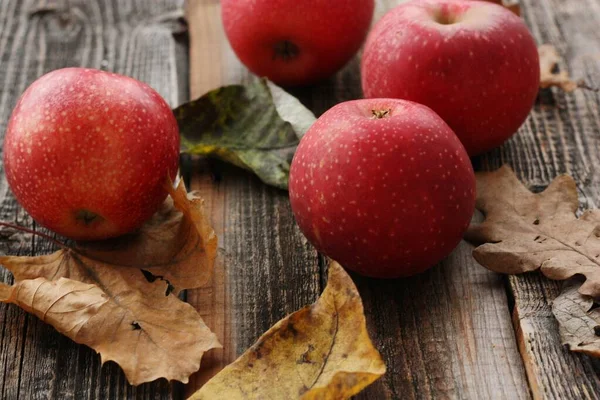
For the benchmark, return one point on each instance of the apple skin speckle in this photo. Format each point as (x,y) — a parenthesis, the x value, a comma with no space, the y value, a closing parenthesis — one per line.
(83,142)
(475,64)
(402,202)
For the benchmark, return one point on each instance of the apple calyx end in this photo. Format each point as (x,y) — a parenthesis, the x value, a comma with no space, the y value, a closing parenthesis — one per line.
(380,114)
(286,50)
(87,217)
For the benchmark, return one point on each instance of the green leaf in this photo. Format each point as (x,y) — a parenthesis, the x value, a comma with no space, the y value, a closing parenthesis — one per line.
(255,126)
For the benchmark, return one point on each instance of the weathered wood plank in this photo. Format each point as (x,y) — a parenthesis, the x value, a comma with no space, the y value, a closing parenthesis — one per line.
(445,334)
(422,325)
(553,371)
(130,37)
(265,269)
(560,136)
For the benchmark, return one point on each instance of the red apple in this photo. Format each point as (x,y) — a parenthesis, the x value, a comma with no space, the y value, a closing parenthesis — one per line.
(294,42)
(87,153)
(383,186)
(474,63)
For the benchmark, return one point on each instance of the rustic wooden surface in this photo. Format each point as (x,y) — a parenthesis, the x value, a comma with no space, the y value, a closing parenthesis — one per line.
(448,333)
(562,135)
(128,37)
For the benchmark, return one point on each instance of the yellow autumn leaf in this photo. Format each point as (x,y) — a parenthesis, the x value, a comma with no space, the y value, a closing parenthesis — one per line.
(322,351)
(118,297)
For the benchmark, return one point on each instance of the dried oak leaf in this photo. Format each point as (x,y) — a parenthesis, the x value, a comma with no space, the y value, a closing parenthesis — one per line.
(578,319)
(524,231)
(550,73)
(118,306)
(322,351)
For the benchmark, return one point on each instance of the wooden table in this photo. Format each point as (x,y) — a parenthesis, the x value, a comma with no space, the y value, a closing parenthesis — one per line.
(457,331)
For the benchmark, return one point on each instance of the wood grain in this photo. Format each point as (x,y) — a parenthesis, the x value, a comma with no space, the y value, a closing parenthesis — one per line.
(560,136)
(128,37)
(444,334)
(266,269)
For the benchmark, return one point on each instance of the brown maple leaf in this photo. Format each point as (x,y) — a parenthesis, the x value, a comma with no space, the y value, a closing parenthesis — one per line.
(524,231)
(578,319)
(322,351)
(117,298)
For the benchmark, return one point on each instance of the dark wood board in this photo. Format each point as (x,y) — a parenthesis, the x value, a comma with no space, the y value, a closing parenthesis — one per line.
(125,36)
(562,135)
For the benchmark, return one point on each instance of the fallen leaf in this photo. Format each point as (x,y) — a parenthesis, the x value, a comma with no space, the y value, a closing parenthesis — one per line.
(291,110)
(578,319)
(170,246)
(255,126)
(322,351)
(512,5)
(524,231)
(124,306)
(550,74)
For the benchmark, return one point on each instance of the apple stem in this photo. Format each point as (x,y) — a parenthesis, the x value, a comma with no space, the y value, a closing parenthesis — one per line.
(40,234)
(379,114)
